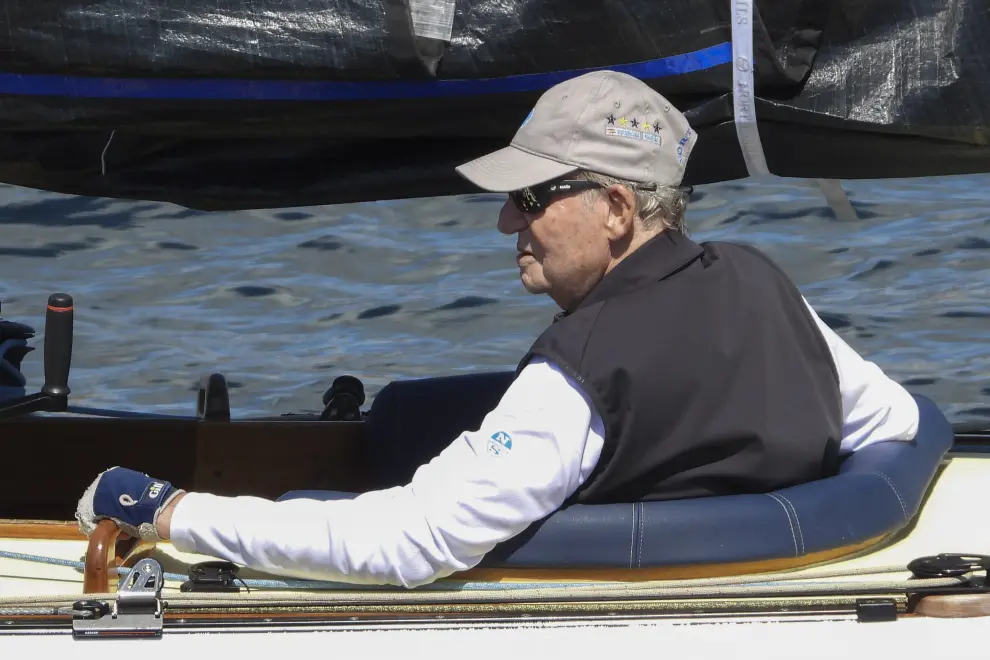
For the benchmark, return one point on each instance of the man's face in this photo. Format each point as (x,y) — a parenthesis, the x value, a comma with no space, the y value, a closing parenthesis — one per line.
(563,250)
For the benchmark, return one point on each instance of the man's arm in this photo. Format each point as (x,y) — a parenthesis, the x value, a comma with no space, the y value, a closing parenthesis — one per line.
(875,408)
(532,452)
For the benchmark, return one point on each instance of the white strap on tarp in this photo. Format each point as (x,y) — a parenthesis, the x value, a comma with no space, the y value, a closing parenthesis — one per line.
(432,18)
(837,199)
(744,110)
(743,92)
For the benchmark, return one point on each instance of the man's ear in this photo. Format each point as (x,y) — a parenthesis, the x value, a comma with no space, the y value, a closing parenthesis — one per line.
(621,212)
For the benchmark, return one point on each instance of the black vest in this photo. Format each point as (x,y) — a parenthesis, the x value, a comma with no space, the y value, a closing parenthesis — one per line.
(708,371)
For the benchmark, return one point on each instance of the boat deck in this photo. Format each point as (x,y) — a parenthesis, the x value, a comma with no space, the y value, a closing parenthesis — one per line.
(943,526)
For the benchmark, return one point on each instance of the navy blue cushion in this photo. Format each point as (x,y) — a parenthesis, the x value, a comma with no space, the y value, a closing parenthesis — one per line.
(411,421)
(877,491)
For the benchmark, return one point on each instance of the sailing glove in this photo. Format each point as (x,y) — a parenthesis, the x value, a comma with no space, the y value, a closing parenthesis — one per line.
(131,499)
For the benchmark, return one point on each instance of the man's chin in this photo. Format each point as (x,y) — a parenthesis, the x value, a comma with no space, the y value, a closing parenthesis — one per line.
(532,286)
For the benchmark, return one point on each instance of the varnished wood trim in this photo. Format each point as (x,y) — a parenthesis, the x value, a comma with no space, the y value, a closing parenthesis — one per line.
(664,572)
(100,558)
(101,551)
(69,531)
(785,606)
(52,530)
(954,606)
(260,458)
(178,613)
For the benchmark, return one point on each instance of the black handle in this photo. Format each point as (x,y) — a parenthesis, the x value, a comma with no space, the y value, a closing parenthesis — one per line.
(345,385)
(58,345)
(213,400)
(343,401)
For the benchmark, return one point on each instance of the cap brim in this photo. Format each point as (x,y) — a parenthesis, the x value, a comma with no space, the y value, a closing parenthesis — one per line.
(510,169)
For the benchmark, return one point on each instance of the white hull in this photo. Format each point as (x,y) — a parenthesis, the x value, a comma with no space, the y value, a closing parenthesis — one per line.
(758,639)
(946,523)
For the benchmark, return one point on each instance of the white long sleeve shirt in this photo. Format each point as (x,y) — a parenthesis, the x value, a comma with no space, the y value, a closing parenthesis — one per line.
(532,452)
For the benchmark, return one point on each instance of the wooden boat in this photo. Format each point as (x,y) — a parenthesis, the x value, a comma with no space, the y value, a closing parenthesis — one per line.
(885,546)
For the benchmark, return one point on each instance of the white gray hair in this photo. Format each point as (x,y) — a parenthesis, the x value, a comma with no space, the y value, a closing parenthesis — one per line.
(659,209)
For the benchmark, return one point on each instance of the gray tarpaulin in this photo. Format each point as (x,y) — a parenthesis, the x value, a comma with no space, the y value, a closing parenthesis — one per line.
(260,103)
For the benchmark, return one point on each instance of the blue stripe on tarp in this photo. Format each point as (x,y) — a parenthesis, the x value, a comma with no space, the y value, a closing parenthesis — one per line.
(288,90)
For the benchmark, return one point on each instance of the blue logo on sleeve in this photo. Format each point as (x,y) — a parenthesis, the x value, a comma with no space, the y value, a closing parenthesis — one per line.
(500,443)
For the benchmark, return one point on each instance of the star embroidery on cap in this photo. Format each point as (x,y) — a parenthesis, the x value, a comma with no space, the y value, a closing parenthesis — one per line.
(610,119)
(623,121)
(656,127)
(635,123)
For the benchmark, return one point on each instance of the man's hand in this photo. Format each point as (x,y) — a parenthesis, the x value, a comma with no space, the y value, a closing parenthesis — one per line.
(131,499)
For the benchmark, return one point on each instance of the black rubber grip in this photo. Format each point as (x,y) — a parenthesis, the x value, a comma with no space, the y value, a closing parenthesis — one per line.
(345,385)
(58,344)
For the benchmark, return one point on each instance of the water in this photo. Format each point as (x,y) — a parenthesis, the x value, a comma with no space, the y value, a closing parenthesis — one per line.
(283,301)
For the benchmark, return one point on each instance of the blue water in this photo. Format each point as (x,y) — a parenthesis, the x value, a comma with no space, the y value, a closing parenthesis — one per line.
(283,301)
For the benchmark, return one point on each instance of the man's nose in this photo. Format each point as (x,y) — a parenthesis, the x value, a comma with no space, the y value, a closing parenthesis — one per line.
(510,219)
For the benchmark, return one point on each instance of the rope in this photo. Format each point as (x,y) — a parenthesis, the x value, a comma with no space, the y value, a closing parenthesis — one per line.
(292,584)
(43,611)
(78,565)
(488,592)
(539,594)
(299,584)
(533,594)
(51,600)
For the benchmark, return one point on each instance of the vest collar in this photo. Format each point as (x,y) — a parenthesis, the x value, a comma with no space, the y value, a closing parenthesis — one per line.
(658,258)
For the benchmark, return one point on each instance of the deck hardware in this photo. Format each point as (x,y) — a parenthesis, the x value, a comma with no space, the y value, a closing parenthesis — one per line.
(136,612)
(872,610)
(213,399)
(949,565)
(212,577)
(54,394)
(343,401)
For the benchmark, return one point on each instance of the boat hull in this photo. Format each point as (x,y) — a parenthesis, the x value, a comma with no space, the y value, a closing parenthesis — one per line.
(826,637)
(943,525)
(263,457)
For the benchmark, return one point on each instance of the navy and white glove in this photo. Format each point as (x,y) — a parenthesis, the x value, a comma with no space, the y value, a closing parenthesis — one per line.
(131,499)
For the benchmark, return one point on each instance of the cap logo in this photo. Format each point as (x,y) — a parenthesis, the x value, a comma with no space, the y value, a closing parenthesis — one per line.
(680,146)
(639,131)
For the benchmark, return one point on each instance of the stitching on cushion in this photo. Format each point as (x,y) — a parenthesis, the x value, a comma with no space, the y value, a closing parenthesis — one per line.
(797,520)
(893,488)
(789,523)
(639,559)
(632,536)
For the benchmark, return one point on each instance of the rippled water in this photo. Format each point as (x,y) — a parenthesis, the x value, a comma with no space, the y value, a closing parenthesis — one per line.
(281,302)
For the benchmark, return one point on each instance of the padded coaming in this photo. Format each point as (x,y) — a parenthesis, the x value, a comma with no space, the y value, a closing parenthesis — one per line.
(877,491)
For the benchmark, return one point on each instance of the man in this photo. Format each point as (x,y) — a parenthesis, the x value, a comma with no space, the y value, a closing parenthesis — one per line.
(675,370)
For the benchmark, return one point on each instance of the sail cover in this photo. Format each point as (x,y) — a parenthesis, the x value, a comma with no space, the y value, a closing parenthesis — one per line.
(224,104)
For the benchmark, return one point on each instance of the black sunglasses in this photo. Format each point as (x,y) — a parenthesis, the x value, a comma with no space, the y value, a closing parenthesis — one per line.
(536,198)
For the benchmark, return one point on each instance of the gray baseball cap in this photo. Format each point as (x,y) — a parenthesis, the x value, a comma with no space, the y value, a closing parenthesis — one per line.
(606,122)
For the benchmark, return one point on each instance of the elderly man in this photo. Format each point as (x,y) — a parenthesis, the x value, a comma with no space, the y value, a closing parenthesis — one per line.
(675,370)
